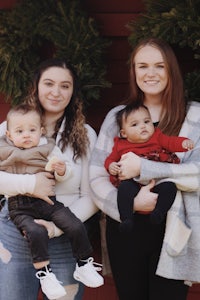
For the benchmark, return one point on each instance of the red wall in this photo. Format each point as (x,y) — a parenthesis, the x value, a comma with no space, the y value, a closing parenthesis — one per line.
(112,17)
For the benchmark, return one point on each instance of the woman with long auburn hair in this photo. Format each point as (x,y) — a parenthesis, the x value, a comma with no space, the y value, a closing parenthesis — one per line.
(153,262)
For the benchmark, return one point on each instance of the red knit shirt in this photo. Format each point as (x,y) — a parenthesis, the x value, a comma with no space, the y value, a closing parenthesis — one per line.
(159,147)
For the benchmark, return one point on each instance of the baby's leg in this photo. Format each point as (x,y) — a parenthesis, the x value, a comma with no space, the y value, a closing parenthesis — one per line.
(127,191)
(166,195)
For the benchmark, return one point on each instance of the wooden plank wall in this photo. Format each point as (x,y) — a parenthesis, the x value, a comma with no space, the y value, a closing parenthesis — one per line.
(112,18)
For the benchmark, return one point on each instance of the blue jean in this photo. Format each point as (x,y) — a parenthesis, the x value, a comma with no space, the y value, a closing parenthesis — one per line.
(17,274)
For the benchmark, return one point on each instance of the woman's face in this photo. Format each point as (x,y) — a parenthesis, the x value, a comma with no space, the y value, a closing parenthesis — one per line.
(55,89)
(150,70)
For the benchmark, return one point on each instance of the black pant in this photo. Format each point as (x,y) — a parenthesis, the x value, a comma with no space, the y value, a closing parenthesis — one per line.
(134,258)
(128,189)
(23,210)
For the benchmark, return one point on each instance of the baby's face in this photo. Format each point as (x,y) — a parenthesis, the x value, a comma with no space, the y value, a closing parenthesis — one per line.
(24,130)
(138,127)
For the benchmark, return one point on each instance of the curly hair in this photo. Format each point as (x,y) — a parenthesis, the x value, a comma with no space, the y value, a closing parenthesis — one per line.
(75,132)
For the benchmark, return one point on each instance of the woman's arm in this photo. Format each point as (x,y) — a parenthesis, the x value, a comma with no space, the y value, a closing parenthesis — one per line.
(39,185)
(185,175)
(103,192)
(13,184)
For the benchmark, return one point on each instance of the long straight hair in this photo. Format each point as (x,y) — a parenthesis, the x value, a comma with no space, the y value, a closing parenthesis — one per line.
(173,100)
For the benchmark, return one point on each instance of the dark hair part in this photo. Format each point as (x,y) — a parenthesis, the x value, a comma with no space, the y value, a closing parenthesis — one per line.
(123,114)
(173,102)
(23,108)
(74,133)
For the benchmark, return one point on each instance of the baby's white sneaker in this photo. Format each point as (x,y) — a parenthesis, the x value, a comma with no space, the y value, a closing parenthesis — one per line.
(50,285)
(88,274)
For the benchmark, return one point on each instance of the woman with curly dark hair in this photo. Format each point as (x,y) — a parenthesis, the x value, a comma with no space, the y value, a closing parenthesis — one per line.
(55,91)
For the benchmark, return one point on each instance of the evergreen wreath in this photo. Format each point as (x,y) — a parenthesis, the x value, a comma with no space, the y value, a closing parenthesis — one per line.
(178,23)
(36,30)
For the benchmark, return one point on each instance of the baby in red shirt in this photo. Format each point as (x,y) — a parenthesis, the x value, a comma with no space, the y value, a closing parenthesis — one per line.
(138,134)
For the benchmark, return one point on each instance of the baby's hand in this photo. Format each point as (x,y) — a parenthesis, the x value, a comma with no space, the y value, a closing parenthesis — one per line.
(188,144)
(114,168)
(56,165)
(59,167)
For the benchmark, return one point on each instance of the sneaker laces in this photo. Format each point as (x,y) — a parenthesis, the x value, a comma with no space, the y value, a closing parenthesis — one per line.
(41,274)
(90,260)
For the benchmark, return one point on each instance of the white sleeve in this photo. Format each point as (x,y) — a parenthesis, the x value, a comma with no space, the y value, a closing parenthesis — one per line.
(14,184)
(104,192)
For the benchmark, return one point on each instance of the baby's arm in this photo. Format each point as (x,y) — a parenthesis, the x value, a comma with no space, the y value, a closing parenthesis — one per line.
(174,143)
(61,168)
(56,165)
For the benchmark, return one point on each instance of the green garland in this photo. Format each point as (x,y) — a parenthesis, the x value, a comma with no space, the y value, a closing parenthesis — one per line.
(178,23)
(35,30)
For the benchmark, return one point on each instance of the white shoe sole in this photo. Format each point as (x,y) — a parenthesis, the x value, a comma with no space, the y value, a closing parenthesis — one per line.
(76,276)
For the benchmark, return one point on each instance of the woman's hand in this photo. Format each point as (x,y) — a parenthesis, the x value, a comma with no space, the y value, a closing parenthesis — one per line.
(129,166)
(44,186)
(51,228)
(145,199)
